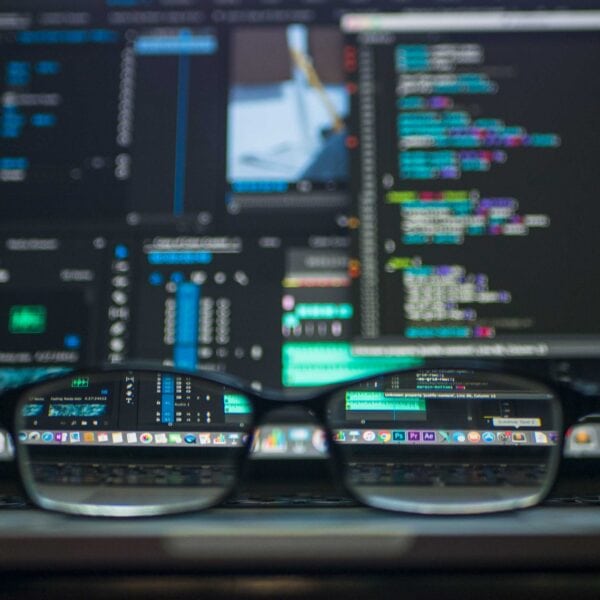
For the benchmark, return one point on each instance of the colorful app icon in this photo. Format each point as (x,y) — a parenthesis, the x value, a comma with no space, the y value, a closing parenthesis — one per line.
(190,438)
(340,436)
(273,440)
(444,436)
(160,438)
(299,434)
(175,438)
(368,436)
(146,438)
(399,436)
(540,437)
(131,437)
(102,436)
(204,439)
(488,437)
(58,436)
(354,435)
(219,439)
(34,436)
(385,436)
(75,437)
(117,437)
(414,436)
(47,436)
(582,436)
(474,437)
(23,436)
(459,436)
(519,437)
(429,436)
(88,437)
(504,436)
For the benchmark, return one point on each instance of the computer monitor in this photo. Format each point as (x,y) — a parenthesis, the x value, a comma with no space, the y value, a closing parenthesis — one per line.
(296,192)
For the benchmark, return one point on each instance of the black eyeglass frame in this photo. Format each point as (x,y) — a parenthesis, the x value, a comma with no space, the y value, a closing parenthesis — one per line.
(264,402)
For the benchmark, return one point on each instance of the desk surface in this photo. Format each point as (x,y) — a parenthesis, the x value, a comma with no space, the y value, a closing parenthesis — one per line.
(302,539)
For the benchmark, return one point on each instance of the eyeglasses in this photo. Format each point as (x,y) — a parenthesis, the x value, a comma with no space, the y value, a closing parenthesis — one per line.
(140,442)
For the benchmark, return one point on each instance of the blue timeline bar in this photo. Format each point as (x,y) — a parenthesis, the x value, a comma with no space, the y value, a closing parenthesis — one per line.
(168,45)
(68,36)
(183,84)
(178,257)
(187,311)
(167,414)
(184,45)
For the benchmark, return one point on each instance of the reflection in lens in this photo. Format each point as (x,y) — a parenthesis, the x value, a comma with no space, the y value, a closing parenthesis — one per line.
(447,441)
(131,442)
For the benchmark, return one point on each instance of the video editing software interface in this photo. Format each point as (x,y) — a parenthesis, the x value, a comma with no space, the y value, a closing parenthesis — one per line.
(296,193)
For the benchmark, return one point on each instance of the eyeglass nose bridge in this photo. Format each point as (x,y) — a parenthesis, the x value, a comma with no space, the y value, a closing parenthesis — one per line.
(290,430)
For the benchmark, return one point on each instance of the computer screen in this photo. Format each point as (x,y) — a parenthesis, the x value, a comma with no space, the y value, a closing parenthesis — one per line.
(296,192)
